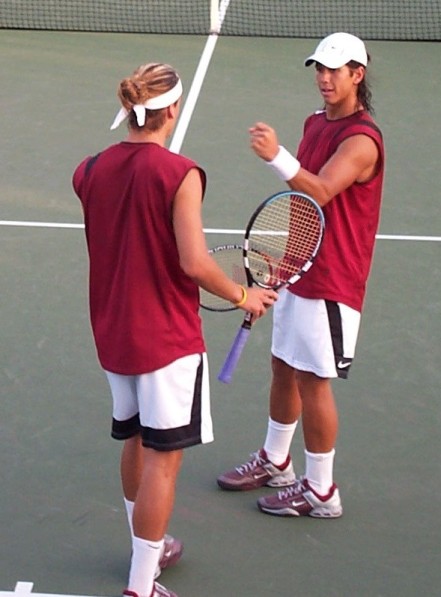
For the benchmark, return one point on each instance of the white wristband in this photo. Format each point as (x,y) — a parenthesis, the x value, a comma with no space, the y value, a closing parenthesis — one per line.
(285,165)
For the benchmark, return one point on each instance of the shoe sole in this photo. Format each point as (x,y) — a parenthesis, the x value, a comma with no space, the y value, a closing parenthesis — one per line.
(250,487)
(281,483)
(289,512)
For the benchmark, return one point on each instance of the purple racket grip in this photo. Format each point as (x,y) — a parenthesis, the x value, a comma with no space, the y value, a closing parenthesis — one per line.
(230,364)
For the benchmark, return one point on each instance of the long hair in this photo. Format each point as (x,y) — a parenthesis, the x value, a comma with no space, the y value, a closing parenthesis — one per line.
(364,93)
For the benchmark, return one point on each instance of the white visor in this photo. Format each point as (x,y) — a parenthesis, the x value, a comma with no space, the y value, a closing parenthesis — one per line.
(154,103)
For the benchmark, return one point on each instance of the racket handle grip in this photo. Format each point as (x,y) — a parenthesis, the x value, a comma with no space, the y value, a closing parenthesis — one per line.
(232,359)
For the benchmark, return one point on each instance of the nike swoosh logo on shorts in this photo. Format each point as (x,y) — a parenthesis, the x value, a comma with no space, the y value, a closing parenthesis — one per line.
(343,364)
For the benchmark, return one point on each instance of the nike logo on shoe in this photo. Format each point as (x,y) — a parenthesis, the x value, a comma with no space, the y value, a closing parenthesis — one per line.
(298,504)
(260,475)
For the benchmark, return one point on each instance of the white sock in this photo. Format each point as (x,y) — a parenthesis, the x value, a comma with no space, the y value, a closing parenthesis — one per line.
(319,471)
(278,441)
(145,559)
(129,509)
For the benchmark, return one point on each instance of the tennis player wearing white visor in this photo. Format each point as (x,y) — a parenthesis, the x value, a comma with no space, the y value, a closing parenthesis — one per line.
(142,207)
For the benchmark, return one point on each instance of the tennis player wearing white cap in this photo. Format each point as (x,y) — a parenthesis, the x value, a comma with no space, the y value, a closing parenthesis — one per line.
(340,162)
(339,49)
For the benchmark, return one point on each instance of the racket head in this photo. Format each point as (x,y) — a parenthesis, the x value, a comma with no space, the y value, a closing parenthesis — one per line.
(230,259)
(282,239)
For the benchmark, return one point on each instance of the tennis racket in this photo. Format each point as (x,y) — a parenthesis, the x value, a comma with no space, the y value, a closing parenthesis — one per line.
(281,241)
(230,260)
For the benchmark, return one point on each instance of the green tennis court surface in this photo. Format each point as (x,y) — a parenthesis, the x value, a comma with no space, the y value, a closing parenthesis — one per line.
(62,519)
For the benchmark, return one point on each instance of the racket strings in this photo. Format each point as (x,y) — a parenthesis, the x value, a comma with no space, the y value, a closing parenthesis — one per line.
(230,259)
(283,238)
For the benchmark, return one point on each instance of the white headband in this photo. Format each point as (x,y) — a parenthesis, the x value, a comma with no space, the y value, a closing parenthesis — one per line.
(154,103)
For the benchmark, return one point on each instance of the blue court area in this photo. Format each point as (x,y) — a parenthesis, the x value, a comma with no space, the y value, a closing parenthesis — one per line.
(62,519)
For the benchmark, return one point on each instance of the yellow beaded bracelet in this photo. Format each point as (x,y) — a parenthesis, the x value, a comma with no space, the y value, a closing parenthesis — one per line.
(243,300)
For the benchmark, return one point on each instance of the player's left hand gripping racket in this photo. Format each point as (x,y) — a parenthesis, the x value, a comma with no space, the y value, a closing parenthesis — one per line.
(281,241)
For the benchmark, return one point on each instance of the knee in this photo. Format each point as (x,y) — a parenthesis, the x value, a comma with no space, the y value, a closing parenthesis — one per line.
(311,386)
(279,367)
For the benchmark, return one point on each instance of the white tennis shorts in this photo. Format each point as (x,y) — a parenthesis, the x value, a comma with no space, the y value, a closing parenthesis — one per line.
(312,335)
(170,407)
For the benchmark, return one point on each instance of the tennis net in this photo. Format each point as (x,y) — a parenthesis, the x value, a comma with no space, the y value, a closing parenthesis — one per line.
(373,19)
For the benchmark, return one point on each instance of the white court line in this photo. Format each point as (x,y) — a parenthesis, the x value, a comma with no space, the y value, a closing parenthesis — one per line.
(24,589)
(435,239)
(198,79)
(39,224)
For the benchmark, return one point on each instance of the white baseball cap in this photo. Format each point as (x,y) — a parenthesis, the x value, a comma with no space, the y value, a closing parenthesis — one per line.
(338,49)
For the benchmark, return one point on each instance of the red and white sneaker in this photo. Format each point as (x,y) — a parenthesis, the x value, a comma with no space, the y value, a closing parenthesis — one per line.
(171,553)
(157,591)
(301,500)
(258,472)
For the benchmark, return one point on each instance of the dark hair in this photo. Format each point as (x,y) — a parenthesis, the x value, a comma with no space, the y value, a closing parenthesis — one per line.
(364,93)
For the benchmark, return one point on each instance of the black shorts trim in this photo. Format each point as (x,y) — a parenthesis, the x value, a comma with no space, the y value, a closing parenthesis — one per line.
(126,429)
(342,364)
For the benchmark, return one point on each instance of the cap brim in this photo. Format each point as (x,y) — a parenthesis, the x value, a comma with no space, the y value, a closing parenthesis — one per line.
(328,61)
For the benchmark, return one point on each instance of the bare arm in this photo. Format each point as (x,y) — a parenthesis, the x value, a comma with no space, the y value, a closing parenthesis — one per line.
(193,252)
(354,161)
